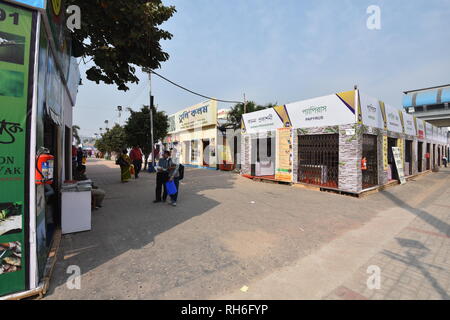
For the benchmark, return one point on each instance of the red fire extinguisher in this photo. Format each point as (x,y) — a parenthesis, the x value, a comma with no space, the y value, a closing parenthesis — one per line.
(44,167)
(364,164)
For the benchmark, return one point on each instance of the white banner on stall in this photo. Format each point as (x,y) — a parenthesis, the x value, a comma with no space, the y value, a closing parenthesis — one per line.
(262,121)
(420,128)
(371,111)
(320,112)
(408,122)
(428,131)
(393,120)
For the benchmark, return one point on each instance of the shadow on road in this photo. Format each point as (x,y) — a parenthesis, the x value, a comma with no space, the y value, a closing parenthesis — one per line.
(129,220)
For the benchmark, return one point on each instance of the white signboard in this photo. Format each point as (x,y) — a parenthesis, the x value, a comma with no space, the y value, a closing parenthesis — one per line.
(399,164)
(429,131)
(262,121)
(420,128)
(371,111)
(408,122)
(435,133)
(394,123)
(200,115)
(320,112)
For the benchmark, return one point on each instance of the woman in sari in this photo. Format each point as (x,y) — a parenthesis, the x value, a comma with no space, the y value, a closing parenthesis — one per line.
(125,164)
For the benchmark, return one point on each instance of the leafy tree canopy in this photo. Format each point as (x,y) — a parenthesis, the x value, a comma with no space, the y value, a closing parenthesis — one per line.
(120,35)
(76,134)
(137,128)
(114,140)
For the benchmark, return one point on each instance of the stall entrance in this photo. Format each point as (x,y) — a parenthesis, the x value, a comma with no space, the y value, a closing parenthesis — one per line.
(370,161)
(439,156)
(420,157)
(428,156)
(408,157)
(194,151)
(434,155)
(264,159)
(319,160)
(206,153)
(52,196)
(393,173)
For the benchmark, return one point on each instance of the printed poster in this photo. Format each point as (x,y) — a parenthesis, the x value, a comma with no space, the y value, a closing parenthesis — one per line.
(15,52)
(284,155)
(385,153)
(399,164)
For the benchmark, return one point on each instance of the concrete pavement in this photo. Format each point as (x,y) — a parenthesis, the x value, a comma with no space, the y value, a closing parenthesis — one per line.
(281,242)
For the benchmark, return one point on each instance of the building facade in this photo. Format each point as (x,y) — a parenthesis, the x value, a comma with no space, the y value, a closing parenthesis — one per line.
(38,90)
(346,141)
(196,136)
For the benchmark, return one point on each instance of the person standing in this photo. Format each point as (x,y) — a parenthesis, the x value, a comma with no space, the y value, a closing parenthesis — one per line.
(174,175)
(136,157)
(80,156)
(124,162)
(445,160)
(162,176)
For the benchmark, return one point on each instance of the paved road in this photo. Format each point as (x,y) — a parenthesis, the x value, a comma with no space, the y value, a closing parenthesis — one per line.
(229,232)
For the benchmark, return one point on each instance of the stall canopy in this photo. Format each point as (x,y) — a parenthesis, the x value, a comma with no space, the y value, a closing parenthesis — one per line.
(331,110)
(264,120)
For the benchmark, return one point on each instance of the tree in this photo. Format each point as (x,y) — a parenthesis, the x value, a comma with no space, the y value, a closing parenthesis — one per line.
(76,134)
(137,129)
(114,140)
(120,35)
(235,115)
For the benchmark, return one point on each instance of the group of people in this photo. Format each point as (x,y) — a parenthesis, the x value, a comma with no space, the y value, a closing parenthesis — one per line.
(130,163)
(167,170)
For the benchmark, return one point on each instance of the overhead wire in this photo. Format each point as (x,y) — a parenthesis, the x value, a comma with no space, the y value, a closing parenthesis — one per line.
(191,91)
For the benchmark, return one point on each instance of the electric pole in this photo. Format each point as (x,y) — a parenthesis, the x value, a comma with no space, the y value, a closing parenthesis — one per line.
(152,168)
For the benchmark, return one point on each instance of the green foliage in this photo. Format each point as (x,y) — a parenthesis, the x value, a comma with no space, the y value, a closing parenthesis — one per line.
(120,35)
(235,115)
(114,140)
(137,128)
(76,134)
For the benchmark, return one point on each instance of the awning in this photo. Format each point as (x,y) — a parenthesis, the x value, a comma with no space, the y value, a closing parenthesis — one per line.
(427,97)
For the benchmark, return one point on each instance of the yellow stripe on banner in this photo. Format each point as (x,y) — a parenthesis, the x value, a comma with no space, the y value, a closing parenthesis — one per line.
(282,113)
(383,112)
(349,98)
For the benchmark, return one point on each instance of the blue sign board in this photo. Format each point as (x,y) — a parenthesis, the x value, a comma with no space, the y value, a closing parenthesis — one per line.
(40,4)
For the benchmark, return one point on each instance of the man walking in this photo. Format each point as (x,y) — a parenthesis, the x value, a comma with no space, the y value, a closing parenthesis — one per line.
(162,176)
(445,160)
(136,157)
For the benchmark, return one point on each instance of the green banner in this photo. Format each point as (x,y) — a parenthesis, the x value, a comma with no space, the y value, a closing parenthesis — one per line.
(16,26)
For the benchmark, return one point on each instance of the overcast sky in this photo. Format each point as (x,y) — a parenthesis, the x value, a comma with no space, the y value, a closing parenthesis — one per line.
(284,51)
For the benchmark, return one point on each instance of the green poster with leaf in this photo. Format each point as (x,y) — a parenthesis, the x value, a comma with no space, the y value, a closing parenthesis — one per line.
(16,26)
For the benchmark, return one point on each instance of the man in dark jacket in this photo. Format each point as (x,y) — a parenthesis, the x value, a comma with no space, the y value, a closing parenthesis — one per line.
(162,176)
